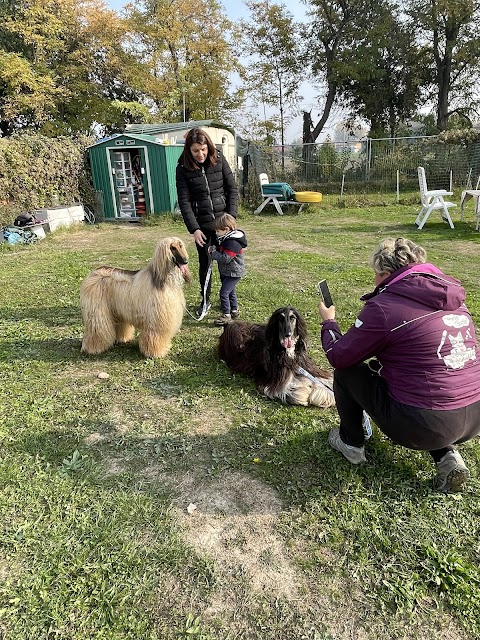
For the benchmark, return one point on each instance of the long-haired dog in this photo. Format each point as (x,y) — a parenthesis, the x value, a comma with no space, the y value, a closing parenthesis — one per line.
(116,301)
(275,355)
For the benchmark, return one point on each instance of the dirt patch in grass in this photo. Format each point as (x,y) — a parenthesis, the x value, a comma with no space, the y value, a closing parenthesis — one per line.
(235,522)
(234,519)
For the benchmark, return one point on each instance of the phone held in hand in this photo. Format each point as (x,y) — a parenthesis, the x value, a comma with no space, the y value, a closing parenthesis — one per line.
(324,291)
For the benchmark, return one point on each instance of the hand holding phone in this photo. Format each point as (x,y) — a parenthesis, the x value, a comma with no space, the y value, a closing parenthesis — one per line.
(324,291)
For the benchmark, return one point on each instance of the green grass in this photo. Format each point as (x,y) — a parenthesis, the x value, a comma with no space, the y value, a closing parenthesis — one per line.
(287,540)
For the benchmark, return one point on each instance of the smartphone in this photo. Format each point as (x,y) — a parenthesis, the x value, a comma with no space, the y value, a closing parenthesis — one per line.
(324,291)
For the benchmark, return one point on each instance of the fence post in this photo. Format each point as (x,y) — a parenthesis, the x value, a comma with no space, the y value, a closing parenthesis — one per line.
(451,180)
(367,158)
(398,186)
(343,182)
(469,179)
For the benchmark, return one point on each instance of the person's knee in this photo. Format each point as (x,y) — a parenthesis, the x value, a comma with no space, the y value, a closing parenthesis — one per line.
(344,376)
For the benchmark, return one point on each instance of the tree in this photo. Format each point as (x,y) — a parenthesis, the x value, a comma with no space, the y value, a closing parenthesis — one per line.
(367,60)
(329,46)
(62,66)
(271,40)
(183,44)
(451,44)
(383,86)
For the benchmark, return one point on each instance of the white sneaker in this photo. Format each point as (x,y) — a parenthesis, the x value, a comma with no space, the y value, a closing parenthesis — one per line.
(355,455)
(452,473)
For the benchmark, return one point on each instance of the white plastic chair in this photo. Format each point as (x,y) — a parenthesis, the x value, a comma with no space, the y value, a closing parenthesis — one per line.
(277,199)
(475,194)
(432,201)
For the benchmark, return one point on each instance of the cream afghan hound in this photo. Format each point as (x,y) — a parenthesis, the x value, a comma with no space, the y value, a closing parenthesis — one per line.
(116,301)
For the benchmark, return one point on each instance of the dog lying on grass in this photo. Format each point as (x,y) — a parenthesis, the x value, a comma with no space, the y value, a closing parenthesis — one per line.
(275,356)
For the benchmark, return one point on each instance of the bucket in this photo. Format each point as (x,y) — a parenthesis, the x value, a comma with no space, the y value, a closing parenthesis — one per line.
(38,230)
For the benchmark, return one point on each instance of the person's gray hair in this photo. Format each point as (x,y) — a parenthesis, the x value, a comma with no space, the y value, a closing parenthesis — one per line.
(393,254)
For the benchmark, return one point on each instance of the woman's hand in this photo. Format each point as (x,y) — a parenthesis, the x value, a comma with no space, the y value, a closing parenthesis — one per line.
(200,237)
(326,313)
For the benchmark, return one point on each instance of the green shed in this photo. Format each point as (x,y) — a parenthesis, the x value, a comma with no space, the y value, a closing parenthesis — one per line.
(135,174)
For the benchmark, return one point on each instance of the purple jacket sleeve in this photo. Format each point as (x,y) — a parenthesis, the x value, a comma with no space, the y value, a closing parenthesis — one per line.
(365,338)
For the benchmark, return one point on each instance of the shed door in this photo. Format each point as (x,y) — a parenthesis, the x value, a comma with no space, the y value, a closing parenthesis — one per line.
(129,179)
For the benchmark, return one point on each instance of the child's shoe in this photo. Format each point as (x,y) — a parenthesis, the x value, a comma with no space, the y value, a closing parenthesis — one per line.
(223,319)
(235,313)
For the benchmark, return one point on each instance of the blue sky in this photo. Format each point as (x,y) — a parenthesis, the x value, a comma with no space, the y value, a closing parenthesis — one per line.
(235,10)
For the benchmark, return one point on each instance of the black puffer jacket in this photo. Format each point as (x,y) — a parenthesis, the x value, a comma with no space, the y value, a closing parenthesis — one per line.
(206,193)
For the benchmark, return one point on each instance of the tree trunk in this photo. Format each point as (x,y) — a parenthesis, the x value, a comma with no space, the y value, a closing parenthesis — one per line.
(444,72)
(331,94)
(443,80)
(282,125)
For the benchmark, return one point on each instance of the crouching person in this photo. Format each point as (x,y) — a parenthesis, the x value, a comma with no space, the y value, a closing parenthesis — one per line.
(423,387)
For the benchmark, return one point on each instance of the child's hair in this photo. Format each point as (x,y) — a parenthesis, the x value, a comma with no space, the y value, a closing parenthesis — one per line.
(225,221)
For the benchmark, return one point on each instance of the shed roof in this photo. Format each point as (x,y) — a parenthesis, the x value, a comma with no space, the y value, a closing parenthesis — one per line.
(143,137)
(175,126)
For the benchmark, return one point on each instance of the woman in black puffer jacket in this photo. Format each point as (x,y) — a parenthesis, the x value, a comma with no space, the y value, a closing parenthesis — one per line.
(206,189)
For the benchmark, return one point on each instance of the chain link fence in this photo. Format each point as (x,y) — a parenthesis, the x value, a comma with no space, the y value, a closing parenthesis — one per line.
(382,171)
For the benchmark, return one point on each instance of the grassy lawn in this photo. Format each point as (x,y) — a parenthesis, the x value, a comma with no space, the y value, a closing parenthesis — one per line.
(98,539)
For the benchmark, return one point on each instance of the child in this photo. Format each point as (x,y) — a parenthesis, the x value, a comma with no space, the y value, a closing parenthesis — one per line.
(231,264)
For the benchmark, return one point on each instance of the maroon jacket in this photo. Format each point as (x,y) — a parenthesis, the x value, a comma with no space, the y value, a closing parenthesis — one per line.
(418,327)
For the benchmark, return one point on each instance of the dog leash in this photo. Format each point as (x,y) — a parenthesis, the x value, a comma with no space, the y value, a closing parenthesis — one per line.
(366,418)
(204,295)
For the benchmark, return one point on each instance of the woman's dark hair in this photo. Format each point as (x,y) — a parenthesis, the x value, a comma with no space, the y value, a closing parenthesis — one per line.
(197,136)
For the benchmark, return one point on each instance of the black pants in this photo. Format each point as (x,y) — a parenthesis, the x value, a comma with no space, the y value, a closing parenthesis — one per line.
(359,388)
(204,261)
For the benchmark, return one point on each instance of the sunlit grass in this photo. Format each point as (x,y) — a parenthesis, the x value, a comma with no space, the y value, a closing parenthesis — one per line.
(93,543)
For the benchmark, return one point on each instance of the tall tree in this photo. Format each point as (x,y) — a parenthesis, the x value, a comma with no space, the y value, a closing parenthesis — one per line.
(383,85)
(184,44)
(62,66)
(365,56)
(271,39)
(330,43)
(448,33)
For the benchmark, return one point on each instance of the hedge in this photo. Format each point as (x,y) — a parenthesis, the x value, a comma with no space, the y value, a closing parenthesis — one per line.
(38,172)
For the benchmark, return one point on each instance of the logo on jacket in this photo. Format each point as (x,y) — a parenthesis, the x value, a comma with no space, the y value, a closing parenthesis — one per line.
(460,354)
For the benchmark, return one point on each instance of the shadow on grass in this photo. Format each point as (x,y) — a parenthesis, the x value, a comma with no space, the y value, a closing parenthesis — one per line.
(299,468)
(49,316)
(50,350)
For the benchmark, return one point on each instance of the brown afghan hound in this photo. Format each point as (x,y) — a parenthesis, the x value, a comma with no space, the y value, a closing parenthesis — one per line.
(275,355)
(115,301)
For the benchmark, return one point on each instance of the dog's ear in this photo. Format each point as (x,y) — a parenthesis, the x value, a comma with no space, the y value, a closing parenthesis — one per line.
(302,331)
(273,327)
(179,251)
